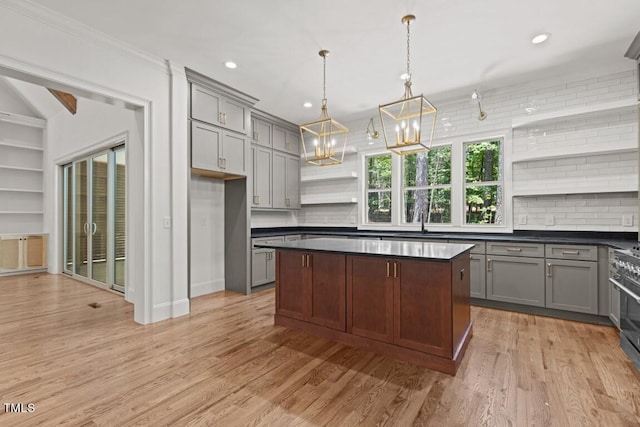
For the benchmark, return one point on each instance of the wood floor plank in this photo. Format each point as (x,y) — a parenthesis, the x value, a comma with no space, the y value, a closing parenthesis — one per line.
(227,364)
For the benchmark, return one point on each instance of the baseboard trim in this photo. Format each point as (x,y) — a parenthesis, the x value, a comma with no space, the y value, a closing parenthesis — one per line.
(207,287)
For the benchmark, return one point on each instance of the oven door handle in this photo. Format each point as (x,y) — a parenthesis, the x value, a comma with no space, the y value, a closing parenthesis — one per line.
(618,286)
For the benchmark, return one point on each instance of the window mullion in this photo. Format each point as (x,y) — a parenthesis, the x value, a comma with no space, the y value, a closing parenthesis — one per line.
(397,193)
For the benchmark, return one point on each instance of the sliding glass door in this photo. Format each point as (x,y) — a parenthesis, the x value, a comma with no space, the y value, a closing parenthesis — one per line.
(94,218)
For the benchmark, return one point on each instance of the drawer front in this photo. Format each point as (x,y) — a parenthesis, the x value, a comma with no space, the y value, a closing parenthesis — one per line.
(577,252)
(479,248)
(534,250)
(266,240)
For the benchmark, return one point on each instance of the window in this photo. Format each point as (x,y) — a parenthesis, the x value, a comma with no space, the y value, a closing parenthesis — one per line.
(483,187)
(379,188)
(426,186)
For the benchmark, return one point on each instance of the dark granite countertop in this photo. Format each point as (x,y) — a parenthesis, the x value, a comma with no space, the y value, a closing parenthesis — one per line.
(616,240)
(393,248)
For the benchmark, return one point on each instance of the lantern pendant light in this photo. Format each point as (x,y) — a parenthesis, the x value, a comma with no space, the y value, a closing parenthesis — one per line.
(324,141)
(409,123)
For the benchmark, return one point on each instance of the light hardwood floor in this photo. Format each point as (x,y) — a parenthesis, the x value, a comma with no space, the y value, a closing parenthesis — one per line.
(226,364)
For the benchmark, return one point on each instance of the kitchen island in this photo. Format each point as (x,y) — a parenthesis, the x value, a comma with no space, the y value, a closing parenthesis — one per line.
(404,300)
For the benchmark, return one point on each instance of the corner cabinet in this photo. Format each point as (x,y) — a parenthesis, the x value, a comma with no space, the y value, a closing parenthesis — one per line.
(23,253)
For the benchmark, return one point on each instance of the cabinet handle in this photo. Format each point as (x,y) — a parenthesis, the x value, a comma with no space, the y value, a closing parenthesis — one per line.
(548,269)
(462,274)
(256,200)
(470,256)
(308,256)
(219,117)
(395,269)
(388,269)
(566,252)
(488,265)
(287,202)
(303,260)
(514,249)
(224,163)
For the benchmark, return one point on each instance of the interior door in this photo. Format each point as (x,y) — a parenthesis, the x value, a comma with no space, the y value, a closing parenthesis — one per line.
(99,224)
(120,219)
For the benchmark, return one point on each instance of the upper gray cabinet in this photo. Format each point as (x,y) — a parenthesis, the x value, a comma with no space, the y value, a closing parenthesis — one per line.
(261,132)
(286,140)
(211,107)
(216,150)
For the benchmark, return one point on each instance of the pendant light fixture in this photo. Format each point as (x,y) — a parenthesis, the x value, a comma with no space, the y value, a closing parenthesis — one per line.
(325,140)
(408,124)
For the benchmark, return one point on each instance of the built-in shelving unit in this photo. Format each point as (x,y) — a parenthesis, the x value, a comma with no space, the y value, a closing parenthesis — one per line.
(21,173)
(550,118)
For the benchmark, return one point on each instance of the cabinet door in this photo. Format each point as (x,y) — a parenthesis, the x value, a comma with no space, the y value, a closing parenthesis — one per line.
(478,276)
(205,105)
(327,298)
(234,154)
(292,188)
(279,180)
(572,285)
(271,266)
(234,115)
(205,147)
(291,292)
(10,253)
(262,133)
(614,305)
(259,273)
(279,138)
(261,177)
(518,280)
(422,306)
(370,298)
(35,251)
(292,144)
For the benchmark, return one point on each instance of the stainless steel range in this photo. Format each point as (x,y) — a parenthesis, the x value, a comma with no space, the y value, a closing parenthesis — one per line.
(627,281)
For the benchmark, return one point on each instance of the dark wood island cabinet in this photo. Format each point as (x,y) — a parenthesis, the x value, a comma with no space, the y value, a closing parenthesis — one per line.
(405,300)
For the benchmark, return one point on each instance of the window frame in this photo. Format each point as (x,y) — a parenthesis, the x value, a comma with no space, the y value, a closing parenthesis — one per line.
(457,185)
(499,183)
(368,190)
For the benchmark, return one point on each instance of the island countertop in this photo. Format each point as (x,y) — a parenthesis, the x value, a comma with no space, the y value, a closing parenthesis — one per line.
(403,249)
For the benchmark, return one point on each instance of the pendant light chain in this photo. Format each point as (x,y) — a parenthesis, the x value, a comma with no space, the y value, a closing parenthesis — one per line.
(408,51)
(324,80)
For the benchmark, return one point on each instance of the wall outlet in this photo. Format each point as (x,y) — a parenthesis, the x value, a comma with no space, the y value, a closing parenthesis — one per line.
(549,220)
(522,219)
(627,220)
(167,222)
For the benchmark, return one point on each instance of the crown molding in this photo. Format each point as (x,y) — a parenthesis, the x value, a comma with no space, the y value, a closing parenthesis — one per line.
(61,22)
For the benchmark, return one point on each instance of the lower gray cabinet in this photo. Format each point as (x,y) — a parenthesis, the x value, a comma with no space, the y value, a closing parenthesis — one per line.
(518,280)
(478,278)
(262,266)
(572,285)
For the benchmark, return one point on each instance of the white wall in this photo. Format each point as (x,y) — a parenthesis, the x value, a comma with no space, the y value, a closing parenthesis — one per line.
(12,102)
(207,235)
(44,47)
(577,175)
(269,219)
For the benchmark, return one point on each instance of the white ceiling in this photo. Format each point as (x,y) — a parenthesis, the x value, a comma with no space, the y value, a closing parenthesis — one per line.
(456,45)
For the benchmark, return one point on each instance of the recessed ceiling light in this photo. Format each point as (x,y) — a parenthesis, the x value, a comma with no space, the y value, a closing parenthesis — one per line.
(231,64)
(540,38)
(307,105)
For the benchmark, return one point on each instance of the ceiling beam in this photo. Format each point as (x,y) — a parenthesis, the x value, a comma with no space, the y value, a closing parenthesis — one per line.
(69,101)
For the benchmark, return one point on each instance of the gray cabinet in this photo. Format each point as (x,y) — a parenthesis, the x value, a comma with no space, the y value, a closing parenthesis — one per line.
(516,249)
(572,277)
(478,277)
(572,285)
(214,149)
(516,279)
(286,181)
(261,134)
(262,159)
(263,262)
(286,140)
(211,107)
